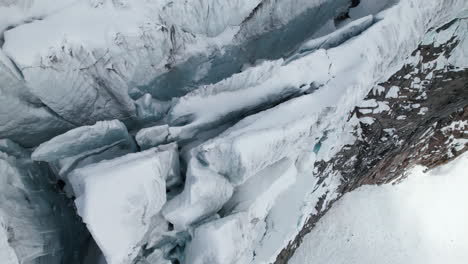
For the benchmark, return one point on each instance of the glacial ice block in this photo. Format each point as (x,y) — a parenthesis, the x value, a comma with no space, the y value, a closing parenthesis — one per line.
(23,117)
(221,241)
(204,194)
(37,225)
(231,238)
(258,194)
(85,139)
(118,198)
(152,136)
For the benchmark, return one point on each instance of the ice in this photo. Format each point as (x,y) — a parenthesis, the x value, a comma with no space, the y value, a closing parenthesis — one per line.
(22,117)
(152,136)
(7,253)
(118,199)
(168,163)
(258,194)
(82,58)
(150,110)
(37,225)
(457,31)
(84,145)
(204,194)
(84,140)
(420,220)
(271,30)
(393,92)
(221,241)
(346,72)
(221,102)
(335,38)
(231,238)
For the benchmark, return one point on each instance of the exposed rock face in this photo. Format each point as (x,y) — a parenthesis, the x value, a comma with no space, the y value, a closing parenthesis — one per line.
(417,117)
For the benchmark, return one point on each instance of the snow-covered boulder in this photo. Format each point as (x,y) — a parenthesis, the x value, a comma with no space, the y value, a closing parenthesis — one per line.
(118,200)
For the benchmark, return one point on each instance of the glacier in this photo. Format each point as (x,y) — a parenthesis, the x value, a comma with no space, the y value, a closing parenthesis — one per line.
(118,199)
(163,132)
(37,223)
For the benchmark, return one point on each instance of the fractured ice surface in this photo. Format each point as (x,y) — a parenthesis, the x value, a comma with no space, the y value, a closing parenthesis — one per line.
(22,116)
(149,109)
(119,198)
(345,72)
(37,224)
(225,61)
(82,140)
(258,194)
(335,38)
(85,145)
(231,238)
(204,194)
(96,53)
(152,136)
(219,241)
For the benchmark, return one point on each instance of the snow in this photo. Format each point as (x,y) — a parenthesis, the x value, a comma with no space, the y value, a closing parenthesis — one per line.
(152,136)
(220,241)
(231,238)
(204,194)
(7,253)
(149,109)
(347,73)
(21,116)
(247,189)
(118,198)
(257,195)
(238,94)
(393,92)
(83,140)
(420,220)
(68,50)
(336,37)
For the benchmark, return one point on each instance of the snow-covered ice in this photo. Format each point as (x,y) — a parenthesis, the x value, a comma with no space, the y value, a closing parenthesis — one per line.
(118,199)
(231,239)
(205,192)
(37,225)
(84,140)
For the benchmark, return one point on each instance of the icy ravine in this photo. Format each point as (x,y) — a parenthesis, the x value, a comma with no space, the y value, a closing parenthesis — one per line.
(37,224)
